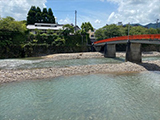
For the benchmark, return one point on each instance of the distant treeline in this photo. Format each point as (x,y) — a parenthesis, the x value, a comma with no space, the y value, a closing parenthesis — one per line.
(113,30)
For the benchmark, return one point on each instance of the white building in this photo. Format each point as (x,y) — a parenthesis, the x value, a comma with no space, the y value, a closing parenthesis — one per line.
(47,26)
(44,27)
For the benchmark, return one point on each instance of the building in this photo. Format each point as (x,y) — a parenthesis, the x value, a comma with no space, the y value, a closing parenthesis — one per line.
(120,24)
(46,26)
(92,35)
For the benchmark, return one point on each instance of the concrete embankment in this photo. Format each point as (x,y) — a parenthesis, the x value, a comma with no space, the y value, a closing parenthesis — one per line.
(33,74)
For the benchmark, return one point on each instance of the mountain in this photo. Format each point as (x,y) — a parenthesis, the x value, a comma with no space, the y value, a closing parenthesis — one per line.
(152,25)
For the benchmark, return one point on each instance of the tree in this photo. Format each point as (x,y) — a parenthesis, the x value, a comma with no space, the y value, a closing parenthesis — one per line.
(99,34)
(158,31)
(31,15)
(84,32)
(50,16)
(137,30)
(58,42)
(86,27)
(12,32)
(152,31)
(35,15)
(109,31)
(38,15)
(45,16)
(38,10)
(67,29)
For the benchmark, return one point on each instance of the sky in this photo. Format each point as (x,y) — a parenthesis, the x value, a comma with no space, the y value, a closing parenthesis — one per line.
(97,12)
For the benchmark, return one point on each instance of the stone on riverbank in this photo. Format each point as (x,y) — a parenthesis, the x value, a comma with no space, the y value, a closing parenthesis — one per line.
(32,74)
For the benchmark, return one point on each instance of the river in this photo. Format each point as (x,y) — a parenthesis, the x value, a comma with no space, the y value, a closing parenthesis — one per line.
(31,63)
(131,96)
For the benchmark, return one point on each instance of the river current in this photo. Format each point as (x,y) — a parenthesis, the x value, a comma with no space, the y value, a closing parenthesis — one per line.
(131,96)
(32,63)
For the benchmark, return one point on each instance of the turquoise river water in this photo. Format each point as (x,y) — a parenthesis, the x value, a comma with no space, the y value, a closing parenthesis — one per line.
(134,96)
(31,63)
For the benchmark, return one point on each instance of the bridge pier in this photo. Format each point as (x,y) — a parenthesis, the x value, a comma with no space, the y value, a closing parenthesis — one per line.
(133,52)
(110,50)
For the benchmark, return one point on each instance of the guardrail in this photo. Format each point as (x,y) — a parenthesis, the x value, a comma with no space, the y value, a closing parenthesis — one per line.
(131,37)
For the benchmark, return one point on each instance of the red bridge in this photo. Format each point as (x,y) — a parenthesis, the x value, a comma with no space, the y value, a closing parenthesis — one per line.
(133,50)
(148,39)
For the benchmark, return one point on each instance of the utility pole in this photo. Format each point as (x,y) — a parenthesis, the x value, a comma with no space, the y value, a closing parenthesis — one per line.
(157,23)
(75,20)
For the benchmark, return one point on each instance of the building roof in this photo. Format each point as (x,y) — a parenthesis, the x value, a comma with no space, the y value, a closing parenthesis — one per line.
(45,26)
(33,27)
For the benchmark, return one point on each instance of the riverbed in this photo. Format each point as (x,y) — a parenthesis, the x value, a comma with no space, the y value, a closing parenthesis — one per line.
(35,68)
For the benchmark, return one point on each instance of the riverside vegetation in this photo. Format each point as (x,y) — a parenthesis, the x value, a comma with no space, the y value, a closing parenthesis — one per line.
(16,41)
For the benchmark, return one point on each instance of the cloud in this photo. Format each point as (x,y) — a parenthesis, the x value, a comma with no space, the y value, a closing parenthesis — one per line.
(97,21)
(96,18)
(65,21)
(18,9)
(135,11)
(111,16)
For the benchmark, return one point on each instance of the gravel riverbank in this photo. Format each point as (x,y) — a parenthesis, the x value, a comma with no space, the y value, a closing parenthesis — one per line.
(33,74)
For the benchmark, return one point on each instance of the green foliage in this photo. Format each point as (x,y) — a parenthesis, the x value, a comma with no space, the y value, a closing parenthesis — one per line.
(113,30)
(58,42)
(12,32)
(36,16)
(86,27)
(100,34)
(73,40)
(31,19)
(67,29)
(138,30)
(109,31)
(31,37)
(152,31)
(43,38)
(51,16)
(45,16)
(158,31)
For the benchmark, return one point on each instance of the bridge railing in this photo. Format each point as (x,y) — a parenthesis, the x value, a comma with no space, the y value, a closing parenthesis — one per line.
(131,37)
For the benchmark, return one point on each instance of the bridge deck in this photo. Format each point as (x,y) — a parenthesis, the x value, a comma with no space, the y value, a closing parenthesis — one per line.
(145,39)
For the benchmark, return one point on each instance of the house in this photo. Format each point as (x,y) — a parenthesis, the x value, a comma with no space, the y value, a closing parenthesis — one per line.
(92,35)
(120,24)
(46,26)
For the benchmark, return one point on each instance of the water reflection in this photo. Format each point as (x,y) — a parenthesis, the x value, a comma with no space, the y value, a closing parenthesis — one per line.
(98,97)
